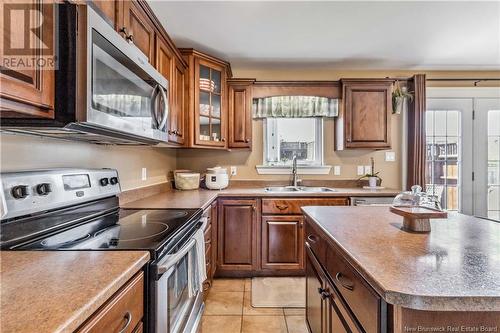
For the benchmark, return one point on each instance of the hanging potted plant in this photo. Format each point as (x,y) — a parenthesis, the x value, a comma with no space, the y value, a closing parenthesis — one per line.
(400,98)
(373,177)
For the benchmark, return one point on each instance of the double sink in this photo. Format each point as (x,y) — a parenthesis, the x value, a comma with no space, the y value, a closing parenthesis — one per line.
(298,189)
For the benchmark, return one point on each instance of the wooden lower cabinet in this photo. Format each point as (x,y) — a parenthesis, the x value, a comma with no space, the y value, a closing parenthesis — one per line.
(210,246)
(237,241)
(325,311)
(122,313)
(282,242)
(315,303)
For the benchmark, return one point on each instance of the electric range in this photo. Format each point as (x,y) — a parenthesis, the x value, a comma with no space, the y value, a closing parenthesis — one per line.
(78,209)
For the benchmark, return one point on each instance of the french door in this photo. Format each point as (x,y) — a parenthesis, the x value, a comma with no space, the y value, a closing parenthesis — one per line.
(486,161)
(463,151)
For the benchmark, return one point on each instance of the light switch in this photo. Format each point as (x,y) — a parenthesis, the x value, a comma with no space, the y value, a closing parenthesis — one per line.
(390,156)
(361,171)
(368,170)
(144,174)
(336,170)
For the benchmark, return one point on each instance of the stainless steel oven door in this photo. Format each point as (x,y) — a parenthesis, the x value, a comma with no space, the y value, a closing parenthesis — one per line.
(124,92)
(176,311)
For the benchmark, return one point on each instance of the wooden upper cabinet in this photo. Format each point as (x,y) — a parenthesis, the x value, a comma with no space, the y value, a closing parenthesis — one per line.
(207,96)
(240,112)
(364,120)
(109,9)
(178,111)
(282,239)
(237,241)
(28,92)
(138,28)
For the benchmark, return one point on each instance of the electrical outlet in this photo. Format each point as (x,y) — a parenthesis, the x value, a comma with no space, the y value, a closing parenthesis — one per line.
(361,171)
(144,174)
(390,156)
(368,169)
(336,170)
(234,170)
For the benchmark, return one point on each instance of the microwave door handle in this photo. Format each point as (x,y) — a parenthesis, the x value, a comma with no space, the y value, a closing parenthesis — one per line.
(164,96)
(154,95)
(174,258)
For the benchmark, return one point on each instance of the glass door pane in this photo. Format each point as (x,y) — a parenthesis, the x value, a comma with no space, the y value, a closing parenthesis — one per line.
(443,156)
(210,104)
(487,158)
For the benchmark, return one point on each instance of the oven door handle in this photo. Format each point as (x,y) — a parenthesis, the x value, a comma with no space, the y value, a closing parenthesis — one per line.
(172,259)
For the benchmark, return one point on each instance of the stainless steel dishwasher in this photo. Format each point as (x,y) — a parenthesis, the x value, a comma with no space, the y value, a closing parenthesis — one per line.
(371,201)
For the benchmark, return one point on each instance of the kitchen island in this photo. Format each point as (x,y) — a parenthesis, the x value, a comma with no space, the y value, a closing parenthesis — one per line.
(67,291)
(364,273)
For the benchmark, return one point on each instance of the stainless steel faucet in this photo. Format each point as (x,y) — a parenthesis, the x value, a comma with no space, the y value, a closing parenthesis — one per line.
(294,171)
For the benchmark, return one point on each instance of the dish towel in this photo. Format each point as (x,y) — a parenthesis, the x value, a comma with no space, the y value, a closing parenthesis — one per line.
(197,272)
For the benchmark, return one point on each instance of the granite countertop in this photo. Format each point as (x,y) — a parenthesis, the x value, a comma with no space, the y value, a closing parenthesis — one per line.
(455,267)
(56,291)
(203,198)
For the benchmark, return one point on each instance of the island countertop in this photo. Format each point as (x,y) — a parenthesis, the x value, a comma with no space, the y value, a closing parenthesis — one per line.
(455,267)
(56,291)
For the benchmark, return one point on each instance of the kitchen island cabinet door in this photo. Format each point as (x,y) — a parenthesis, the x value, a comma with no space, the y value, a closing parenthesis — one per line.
(237,242)
(315,301)
(282,240)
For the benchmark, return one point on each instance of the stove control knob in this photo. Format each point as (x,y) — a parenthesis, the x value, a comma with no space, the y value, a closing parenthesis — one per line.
(113,180)
(104,181)
(43,189)
(19,191)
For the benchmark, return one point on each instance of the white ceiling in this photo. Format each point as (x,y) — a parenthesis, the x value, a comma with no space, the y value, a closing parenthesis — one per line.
(349,35)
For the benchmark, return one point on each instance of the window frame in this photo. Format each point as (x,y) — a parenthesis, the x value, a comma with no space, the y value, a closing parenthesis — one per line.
(270,140)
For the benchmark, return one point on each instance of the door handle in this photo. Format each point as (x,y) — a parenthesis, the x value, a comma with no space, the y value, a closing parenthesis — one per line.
(128,318)
(344,282)
(312,238)
(160,123)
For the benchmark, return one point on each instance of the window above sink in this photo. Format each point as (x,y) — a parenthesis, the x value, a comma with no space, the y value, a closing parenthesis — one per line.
(286,137)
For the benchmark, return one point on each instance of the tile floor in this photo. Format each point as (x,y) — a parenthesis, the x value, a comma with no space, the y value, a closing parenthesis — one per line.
(229,310)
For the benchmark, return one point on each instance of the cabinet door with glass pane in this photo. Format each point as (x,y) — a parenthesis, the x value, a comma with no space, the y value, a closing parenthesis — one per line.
(210,109)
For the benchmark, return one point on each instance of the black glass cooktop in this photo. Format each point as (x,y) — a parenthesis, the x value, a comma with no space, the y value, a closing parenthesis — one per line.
(148,229)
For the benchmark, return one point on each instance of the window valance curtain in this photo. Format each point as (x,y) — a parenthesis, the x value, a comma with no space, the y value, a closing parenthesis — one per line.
(295,107)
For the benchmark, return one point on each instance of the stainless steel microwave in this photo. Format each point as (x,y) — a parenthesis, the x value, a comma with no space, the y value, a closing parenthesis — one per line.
(106,90)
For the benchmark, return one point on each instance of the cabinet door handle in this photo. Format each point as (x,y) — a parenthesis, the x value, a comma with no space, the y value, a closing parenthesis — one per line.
(281,207)
(130,39)
(128,317)
(123,30)
(247,140)
(223,139)
(324,294)
(344,282)
(312,238)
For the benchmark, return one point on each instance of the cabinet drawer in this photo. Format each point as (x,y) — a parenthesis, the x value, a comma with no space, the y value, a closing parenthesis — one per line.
(363,302)
(124,309)
(287,206)
(316,242)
